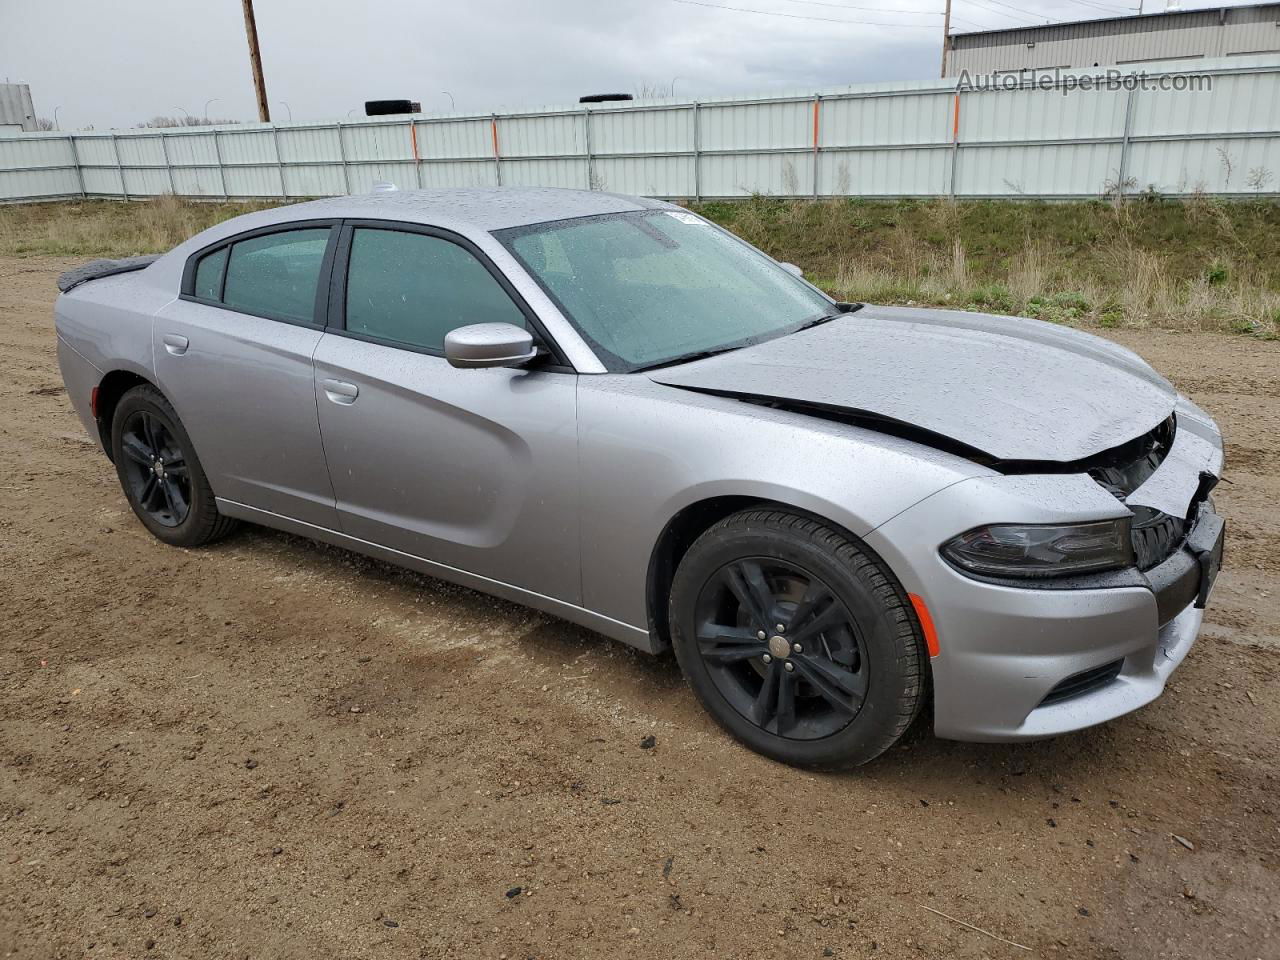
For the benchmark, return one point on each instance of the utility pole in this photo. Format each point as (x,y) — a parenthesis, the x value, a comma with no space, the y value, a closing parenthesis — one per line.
(255,58)
(946,36)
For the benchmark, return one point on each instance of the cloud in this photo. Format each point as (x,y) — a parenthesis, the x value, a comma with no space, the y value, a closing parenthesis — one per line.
(120,63)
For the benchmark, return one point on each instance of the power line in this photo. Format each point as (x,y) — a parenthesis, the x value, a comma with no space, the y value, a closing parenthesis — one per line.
(1035,17)
(797,16)
(1038,16)
(919,13)
(1104,6)
(850,6)
(1017,18)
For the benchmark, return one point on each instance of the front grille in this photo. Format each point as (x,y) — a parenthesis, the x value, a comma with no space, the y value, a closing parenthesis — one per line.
(1079,684)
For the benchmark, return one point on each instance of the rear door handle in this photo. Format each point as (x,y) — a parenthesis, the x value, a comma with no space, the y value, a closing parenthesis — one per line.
(339,391)
(175,344)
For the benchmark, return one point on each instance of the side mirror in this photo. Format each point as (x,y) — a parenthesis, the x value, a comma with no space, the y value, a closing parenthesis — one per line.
(489,345)
(792,269)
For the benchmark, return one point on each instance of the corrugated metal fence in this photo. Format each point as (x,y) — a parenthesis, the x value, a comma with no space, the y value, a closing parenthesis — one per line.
(923,139)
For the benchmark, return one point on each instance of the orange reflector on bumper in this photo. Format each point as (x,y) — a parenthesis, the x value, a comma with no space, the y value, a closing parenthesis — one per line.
(926,624)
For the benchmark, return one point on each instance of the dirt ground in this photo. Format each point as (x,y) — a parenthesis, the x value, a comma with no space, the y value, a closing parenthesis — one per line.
(276,749)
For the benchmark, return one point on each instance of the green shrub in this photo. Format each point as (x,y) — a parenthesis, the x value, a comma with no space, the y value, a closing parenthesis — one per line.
(993,298)
(1061,307)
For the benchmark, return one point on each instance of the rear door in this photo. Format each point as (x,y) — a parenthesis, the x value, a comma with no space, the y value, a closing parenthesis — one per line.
(474,469)
(233,355)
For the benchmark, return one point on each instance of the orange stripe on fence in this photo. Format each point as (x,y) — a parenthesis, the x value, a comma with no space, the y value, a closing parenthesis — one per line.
(413,138)
(955,120)
(815,123)
(493,124)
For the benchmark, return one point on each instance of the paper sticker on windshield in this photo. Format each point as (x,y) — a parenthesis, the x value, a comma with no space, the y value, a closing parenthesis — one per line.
(686,218)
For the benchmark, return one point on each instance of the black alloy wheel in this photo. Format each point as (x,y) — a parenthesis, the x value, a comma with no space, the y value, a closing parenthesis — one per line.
(782,648)
(160,472)
(158,479)
(798,639)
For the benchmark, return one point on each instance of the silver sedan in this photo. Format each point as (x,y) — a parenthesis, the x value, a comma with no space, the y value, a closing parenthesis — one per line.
(612,410)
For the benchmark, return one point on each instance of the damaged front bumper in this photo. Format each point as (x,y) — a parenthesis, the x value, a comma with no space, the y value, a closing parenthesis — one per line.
(1025,660)
(1180,587)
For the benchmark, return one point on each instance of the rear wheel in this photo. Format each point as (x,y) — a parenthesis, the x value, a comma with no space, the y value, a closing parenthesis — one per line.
(160,473)
(797,639)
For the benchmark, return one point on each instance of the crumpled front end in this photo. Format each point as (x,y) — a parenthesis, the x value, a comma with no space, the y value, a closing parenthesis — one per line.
(1029,659)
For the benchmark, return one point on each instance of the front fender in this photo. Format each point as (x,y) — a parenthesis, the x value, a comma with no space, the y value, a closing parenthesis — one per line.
(648,452)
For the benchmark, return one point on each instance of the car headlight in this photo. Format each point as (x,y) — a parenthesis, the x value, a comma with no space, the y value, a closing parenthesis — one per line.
(1042,550)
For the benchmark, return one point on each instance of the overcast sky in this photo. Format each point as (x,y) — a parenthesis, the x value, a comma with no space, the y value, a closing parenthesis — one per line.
(119,62)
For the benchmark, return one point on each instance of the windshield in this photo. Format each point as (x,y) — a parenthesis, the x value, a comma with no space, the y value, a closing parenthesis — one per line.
(650,287)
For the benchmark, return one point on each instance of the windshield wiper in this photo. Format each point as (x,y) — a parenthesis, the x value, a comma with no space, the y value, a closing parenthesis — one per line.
(842,310)
(689,357)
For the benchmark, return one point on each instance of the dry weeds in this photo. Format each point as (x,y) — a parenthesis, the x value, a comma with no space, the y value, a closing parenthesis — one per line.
(107,228)
(1199,264)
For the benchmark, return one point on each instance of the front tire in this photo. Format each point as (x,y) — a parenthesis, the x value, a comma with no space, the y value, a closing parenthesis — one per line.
(160,472)
(797,639)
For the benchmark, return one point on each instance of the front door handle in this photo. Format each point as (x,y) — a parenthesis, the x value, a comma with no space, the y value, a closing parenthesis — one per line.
(176,344)
(339,391)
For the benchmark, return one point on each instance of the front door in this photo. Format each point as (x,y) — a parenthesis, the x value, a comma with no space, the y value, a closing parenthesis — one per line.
(473,469)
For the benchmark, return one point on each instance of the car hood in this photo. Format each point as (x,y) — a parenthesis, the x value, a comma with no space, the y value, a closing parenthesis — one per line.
(1010,388)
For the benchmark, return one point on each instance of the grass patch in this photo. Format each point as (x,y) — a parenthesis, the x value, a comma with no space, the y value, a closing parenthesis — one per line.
(1199,264)
(109,228)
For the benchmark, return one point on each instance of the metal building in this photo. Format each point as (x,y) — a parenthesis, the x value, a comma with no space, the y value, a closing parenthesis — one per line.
(16,111)
(1119,41)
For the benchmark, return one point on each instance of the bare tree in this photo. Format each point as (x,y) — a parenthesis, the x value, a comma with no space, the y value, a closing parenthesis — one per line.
(1259,178)
(1228,163)
(655,91)
(159,122)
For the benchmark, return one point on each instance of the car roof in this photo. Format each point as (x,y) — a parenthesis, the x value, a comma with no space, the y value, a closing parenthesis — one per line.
(466,210)
(482,208)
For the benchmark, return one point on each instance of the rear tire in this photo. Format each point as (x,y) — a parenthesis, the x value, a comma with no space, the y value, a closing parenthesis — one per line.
(160,472)
(797,639)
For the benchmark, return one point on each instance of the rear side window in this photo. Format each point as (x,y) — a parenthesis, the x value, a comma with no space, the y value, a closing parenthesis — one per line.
(209,275)
(412,289)
(275,275)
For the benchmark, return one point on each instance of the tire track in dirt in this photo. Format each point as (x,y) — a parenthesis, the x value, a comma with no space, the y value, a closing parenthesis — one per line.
(496,748)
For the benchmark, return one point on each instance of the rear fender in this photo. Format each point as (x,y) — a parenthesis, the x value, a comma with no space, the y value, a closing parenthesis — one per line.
(81,379)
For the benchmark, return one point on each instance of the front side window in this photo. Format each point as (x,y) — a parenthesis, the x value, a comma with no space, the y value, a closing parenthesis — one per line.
(275,275)
(412,289)
(648,287)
